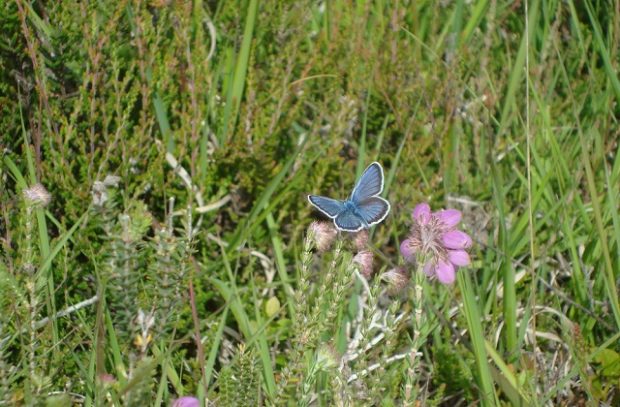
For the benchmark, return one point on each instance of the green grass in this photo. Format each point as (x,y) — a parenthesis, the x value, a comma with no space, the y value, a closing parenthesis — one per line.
(507,114)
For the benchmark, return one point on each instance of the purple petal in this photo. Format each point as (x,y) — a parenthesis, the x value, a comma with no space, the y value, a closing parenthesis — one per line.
(407,250)
(186,401)
(458,257)
(429,269)
(449,217)
(457,240)
(445,272)
(422,213)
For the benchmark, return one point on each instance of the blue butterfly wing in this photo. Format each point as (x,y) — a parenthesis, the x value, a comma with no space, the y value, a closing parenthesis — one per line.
(373,210)
(349,221)
(330,207)
(363,209)
(369,184)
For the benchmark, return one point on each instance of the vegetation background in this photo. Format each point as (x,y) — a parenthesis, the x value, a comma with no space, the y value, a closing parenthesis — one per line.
(178,140)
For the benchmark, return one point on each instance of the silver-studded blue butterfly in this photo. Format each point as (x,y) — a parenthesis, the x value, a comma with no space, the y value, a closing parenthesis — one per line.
(364,207)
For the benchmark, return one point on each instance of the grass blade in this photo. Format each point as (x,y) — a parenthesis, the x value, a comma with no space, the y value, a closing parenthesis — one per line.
(233,100)
(472,314)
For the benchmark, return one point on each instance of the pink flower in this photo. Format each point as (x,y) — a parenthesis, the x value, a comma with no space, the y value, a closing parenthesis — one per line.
(449,217)
(324,234)
(407,250)
(455,239)
(360,240)
(422,213)
(186,401)
(107,379)
(435,240)
(364,261)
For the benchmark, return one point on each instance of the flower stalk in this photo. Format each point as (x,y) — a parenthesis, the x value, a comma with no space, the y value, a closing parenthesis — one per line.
(418,339)
(437,248)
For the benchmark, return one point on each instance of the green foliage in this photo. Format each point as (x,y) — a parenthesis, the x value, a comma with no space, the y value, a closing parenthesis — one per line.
(178,141)
(450,374)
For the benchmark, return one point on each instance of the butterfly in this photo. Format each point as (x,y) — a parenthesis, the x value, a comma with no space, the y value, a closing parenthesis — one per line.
(364,207)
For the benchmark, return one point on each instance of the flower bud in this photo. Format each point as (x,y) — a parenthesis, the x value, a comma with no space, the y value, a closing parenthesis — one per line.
(407,250)
(324,235)
(364,260)
(397,279)
(107,379)
(361,239)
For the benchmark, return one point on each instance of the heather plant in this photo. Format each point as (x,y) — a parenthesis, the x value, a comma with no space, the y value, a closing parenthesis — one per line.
(156,246)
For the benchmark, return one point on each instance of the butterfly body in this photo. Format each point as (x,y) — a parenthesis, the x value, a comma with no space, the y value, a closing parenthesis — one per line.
(364,207)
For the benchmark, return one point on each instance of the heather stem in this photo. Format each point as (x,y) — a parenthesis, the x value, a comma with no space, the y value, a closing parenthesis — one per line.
(304,282)
(304,320)
(418,339)
(31,287)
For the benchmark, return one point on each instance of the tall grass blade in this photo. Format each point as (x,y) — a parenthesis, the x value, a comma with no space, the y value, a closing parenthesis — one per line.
(472,314)
(233,100)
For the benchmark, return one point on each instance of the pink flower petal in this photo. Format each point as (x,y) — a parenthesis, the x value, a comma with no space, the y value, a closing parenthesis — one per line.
(449,217)
(186,401)
(429,269)
(422,213)
(459,257)
(407,250)
(445,272)
(457,240)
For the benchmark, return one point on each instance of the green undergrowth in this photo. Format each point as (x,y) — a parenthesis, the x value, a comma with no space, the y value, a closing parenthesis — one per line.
(178,141)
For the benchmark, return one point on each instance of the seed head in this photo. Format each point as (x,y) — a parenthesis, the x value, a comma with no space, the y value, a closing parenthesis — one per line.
(397,279)
(37,195)
(100,189)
